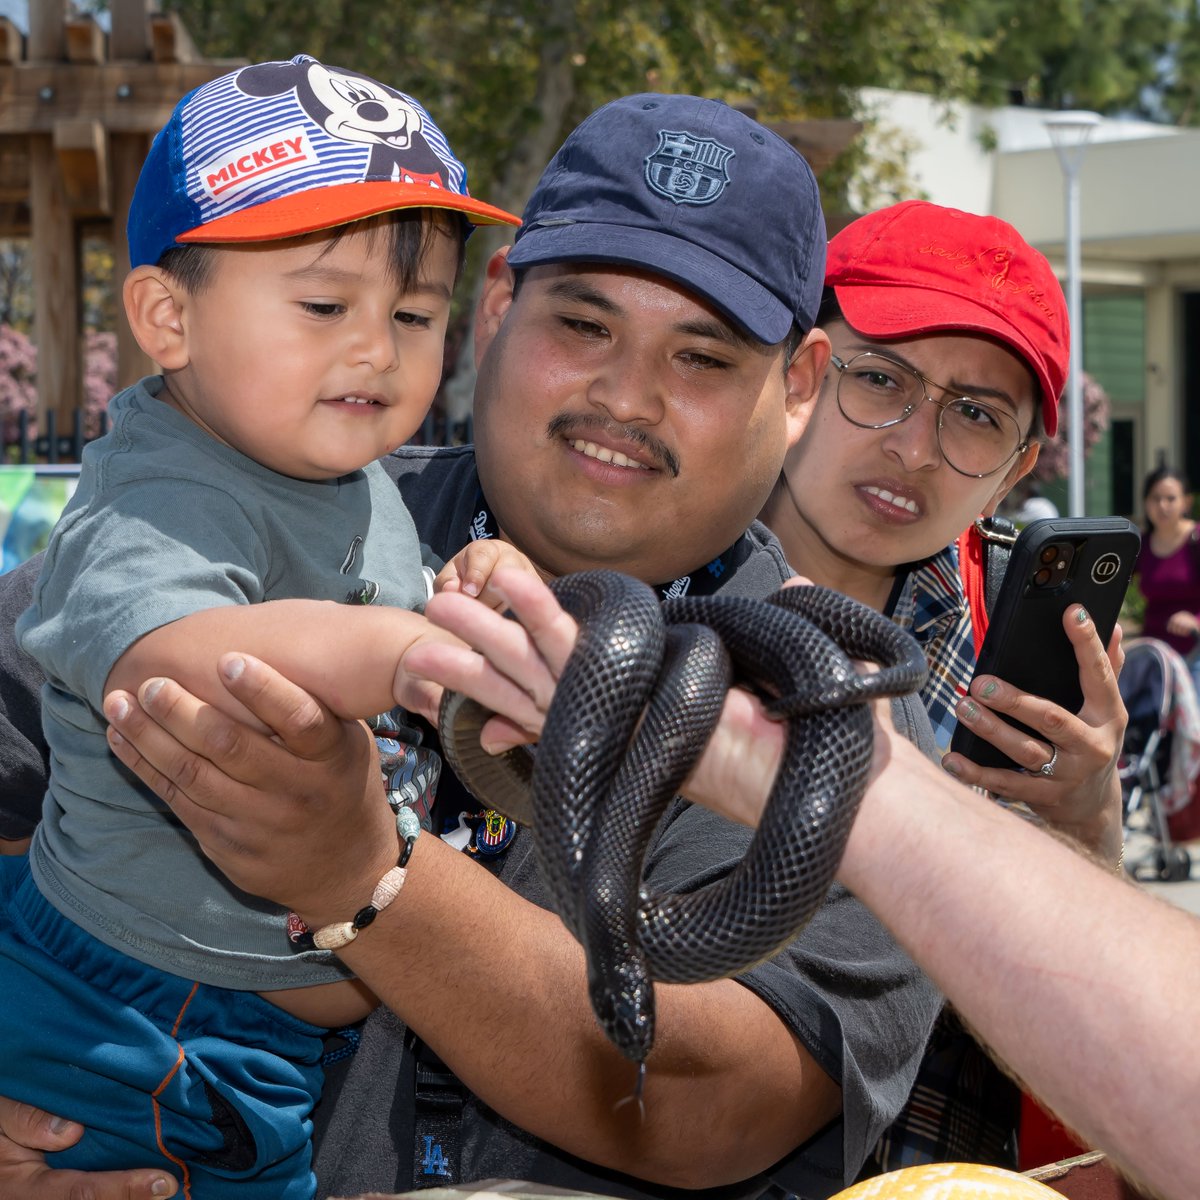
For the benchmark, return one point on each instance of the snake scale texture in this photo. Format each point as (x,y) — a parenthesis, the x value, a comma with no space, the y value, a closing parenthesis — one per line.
(632,712)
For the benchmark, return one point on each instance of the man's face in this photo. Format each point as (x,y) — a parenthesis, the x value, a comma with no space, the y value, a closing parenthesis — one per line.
(621,422)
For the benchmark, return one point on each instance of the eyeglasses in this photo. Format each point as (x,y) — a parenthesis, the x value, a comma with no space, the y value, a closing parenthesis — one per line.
(976,439)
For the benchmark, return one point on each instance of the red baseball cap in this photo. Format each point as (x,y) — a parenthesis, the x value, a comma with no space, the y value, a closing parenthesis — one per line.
(916,267)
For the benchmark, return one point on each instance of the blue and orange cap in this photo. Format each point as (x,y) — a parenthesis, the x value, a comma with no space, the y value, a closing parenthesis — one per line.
(280,149)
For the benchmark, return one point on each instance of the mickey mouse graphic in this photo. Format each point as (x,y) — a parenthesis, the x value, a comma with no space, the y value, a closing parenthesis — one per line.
(355,108)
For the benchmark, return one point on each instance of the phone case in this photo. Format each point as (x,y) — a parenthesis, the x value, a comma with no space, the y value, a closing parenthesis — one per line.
(1055,563)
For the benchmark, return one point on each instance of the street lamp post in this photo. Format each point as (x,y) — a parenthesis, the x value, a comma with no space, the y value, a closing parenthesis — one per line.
(1069,133)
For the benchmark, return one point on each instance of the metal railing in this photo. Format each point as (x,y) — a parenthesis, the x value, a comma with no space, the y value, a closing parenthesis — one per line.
(54,447)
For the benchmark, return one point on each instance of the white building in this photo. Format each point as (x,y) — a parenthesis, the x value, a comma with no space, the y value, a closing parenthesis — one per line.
(1140,238)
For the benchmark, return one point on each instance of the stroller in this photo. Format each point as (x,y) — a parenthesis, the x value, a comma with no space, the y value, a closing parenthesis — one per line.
(1160,754)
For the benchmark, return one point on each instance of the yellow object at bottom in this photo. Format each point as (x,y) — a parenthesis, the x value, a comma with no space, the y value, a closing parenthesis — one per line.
(949,1181)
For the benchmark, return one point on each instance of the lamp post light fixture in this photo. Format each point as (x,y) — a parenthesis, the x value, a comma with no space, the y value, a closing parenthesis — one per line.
(1069,134)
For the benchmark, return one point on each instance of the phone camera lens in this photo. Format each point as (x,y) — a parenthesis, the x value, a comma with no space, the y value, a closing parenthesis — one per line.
(1041,577)
(1049,554)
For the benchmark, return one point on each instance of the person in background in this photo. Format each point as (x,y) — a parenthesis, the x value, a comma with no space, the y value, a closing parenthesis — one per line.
(1168,567)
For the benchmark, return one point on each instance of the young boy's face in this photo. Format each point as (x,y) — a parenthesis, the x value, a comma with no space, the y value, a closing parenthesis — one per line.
(307,357)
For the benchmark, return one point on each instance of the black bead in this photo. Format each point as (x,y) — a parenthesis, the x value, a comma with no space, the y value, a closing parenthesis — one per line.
(365,916)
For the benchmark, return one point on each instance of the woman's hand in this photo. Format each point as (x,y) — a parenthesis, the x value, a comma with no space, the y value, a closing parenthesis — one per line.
(1083,796)
(298,817)
(1183,624)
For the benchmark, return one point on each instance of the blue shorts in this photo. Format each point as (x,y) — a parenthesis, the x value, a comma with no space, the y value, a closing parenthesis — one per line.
(212,1085)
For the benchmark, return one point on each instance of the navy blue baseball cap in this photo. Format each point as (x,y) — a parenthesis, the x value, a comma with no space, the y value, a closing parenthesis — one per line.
(695,191)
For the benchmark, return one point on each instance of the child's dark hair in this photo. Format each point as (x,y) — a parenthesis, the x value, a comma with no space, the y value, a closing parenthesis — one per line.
(410,230)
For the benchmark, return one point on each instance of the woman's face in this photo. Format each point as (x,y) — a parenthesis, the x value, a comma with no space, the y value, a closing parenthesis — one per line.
(874,499)
(1167,503)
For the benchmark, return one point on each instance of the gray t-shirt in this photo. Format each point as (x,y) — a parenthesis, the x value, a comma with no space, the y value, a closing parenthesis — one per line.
(844,988)
(167,521)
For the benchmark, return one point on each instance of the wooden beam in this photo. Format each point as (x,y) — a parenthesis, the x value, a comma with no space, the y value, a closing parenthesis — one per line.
(170,41)
(56,286)
(128,153)
(11,43)
(14,219)
(47,37)
(85,40)
(130,36)
(125,97)
(14,168)
(82,149)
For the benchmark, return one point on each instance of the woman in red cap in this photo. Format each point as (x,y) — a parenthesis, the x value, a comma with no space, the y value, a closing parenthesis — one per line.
(925,302)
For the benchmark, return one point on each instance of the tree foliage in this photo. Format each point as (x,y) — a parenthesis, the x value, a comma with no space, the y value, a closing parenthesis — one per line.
(1113,56)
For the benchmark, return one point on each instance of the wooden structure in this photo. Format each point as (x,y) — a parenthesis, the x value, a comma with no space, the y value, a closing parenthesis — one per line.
(78,108)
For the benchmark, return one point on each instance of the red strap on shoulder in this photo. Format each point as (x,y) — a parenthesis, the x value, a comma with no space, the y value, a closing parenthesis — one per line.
(970,567)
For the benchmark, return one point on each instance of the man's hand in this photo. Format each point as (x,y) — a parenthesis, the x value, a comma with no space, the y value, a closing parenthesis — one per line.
(28,1134)
(297,817)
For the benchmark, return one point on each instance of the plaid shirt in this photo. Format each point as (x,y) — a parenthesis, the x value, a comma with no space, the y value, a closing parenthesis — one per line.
(933,608)
(962,1107)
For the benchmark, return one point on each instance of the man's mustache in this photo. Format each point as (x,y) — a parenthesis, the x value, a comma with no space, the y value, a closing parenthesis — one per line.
(567,425)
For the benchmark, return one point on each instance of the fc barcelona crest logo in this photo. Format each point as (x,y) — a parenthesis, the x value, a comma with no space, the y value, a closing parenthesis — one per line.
(688,169)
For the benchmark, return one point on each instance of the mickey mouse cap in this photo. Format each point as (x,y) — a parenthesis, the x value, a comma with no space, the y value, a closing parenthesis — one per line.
(280,149)
(692,190)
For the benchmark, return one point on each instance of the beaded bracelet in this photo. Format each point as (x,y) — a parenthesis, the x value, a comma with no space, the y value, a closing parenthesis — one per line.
(342,933)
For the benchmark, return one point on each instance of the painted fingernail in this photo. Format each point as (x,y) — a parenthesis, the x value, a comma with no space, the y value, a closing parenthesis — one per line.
(151,688)
(59,1125)
(950,767)
(968,710)
(1081,617)
(232,668)
(989,689)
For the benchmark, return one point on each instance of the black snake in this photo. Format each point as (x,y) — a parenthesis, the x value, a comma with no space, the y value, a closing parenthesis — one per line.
(634,707)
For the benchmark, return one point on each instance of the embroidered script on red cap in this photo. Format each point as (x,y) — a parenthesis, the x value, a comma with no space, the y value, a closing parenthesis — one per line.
(998,280)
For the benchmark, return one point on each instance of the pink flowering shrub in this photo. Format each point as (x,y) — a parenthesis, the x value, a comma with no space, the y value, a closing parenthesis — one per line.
(18,381)
(1053,462)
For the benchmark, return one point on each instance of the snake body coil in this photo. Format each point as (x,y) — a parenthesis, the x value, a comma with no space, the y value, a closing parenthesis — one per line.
(632,712)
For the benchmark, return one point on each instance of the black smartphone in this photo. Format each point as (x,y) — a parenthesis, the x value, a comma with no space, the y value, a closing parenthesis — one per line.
(1056,562)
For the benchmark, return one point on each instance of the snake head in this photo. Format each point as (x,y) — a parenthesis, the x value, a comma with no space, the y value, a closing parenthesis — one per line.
(624,1007)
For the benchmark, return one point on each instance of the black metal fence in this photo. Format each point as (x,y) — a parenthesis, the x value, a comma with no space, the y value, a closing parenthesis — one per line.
(55,447)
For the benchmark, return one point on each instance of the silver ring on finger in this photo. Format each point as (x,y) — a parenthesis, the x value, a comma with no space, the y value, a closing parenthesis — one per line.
(1046,771)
